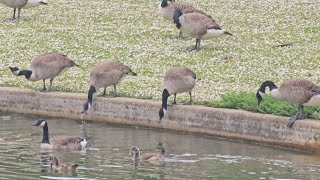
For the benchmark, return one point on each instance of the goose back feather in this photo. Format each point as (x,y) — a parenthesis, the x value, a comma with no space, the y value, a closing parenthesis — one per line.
(178,80)
(297,91)
(197,26)
(14,3)
(47,66)
(109,73)
(168,7)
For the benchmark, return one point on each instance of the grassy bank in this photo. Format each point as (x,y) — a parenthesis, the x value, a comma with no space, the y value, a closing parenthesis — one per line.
(133,32)
(248,101)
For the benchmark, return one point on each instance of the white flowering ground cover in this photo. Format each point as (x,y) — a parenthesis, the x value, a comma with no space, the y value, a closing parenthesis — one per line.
(133,32)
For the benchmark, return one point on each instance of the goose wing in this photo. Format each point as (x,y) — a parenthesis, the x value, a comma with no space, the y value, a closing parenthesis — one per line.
(298,91)
(152,157)
(66,140)
(148,156)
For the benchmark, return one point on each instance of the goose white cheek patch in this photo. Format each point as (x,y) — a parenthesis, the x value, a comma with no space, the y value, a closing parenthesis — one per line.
(164,112)
(261,94)
(16,72)
(42,124)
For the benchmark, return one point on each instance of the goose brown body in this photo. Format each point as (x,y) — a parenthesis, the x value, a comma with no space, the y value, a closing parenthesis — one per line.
(64,143)
(46,66)
(14,3)
(176,80)
(197,26)
(297,91)
(106,74)
(167,11)
(109,73)
(179,80)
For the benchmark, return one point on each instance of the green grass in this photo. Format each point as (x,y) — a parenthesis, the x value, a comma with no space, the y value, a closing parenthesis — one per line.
(248,101)
(133,32)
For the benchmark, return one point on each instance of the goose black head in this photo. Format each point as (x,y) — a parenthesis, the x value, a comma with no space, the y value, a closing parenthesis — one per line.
(260,96)
(262,90)
(40,123)
(162,113)
(177,13)
(86,106)
(165,3)
(15,70)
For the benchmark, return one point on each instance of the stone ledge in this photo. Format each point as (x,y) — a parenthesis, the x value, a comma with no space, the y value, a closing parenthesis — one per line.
(229,123)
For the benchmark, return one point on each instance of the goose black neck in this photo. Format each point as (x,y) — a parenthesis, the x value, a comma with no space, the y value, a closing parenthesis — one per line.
(92,90)
(86,105)
(137,155)
(177,13)
(162,152)
(45,137)
(26,73)
(165,95)
(164,3)
(269,84)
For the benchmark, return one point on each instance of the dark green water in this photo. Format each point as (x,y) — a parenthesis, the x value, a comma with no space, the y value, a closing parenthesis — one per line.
(188,156)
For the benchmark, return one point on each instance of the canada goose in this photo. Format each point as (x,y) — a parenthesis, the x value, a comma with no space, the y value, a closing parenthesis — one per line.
(46,66)
(106,74)
(135,152)
(176,80)
(62,168)
(167,8)
(19,4)
(65,143)
(197,26)
(296,91)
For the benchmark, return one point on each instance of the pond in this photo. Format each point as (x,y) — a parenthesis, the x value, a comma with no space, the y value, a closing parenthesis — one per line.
(188,156)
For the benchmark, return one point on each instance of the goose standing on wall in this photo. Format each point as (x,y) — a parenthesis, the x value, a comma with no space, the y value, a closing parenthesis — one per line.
(19,4)
(135,152)
(176,80)
(167,8)
(46,66)
(57,167)
(106,74)
(197,26)
(296,91)
(64,143)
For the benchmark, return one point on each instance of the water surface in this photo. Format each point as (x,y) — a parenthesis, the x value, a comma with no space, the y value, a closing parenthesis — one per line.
(107,157)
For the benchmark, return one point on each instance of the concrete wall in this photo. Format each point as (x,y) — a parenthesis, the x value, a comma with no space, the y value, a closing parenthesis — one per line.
(236,124)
